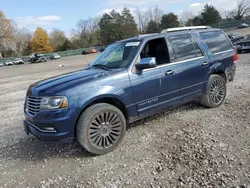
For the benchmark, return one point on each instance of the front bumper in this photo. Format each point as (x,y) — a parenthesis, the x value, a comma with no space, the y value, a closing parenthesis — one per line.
(45,135)
(57,125)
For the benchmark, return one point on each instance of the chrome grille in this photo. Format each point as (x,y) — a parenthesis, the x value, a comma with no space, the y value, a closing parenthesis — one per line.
(33,105)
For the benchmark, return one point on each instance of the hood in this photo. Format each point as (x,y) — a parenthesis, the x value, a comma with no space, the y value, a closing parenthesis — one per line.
(66,81)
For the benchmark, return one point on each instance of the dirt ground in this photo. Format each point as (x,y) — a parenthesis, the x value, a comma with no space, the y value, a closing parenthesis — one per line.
(188,146)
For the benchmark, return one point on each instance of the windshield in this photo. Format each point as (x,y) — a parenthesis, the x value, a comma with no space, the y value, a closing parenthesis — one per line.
(117,55)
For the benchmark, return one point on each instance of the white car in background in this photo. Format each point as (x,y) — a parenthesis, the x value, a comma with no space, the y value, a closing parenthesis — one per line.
(8,63)
(18,61)
(1,64)
(55,56)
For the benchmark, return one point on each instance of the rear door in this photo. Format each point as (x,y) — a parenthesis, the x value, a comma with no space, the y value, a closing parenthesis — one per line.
(193,65)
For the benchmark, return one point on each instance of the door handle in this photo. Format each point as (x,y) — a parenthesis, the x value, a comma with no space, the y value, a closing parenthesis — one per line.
(169,72)
(205,63)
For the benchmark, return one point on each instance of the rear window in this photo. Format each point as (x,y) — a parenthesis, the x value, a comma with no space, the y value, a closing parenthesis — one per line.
(216,41)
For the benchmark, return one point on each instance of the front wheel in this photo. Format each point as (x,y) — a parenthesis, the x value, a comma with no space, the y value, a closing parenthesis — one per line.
(215,92)
(101,128)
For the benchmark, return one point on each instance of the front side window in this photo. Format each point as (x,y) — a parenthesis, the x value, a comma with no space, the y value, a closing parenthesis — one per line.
(118,55)
(156,48)
(216,41)
(183,47)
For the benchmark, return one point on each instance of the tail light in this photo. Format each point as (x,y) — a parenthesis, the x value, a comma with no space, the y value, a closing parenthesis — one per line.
(236,58)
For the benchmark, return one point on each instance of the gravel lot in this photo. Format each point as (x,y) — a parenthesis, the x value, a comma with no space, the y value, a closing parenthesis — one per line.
(188,146)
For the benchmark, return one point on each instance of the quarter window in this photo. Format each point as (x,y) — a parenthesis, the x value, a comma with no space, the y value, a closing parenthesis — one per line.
(183,47)
(216,41)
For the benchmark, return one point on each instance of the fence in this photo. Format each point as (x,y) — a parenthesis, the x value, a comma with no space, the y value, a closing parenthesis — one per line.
(230,24)
(62,54)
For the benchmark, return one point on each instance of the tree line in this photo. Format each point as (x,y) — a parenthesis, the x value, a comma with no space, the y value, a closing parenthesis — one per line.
(108,28)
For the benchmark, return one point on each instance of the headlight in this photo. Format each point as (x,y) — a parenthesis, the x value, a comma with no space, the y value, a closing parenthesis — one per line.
(54,103)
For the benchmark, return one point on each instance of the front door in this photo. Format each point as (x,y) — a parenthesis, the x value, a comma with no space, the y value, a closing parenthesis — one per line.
(156,88)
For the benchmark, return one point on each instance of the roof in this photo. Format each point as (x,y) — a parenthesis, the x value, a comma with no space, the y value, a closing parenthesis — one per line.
(156,35)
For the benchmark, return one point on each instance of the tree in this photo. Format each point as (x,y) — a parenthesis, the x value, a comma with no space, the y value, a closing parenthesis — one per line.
(128,22)
(86,31)
(6,28)
(153,27)
(141,20)
(6,35)
(169,20)
(22,40)
(41,42)
(195,21)
(57,39)
(210,15)
(67,45)
(115,26)
(154,14)
(243,9)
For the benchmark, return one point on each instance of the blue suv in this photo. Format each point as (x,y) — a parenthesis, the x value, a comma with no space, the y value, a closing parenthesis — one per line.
(130,80)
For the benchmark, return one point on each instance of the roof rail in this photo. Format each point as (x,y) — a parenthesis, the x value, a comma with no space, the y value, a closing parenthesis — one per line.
(144,35)
(184,28)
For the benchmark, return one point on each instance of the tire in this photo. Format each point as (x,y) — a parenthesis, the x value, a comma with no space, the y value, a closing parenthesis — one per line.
(239,51)
(215,92)
(101,128)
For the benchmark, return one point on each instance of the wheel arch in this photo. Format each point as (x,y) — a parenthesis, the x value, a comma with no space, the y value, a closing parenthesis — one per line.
(109,99)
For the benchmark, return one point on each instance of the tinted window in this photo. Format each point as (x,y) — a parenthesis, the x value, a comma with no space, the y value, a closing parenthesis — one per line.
(216,41)
(183,47)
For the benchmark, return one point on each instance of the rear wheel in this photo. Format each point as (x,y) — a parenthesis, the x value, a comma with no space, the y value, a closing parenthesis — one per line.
(101,128)
(239,51)
(215,92)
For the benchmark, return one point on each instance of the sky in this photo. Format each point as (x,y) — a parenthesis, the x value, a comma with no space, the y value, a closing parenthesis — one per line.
(64,14)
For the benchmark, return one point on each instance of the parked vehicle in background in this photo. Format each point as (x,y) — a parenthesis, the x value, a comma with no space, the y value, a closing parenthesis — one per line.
(93,50)
(85,52)
(102,49)
(8,63)
(243,25)
(130,80)
(235,37)
(243,45)
(89,51)
(18,61)
(55,56)
(37,58)
(1,64)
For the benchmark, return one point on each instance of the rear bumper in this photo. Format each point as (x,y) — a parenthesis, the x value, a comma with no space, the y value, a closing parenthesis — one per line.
(46,135)
(230,73)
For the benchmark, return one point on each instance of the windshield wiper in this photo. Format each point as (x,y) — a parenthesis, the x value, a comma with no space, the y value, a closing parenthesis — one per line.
(101,66)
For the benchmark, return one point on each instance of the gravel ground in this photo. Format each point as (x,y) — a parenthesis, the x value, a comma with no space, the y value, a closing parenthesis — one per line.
(188,146)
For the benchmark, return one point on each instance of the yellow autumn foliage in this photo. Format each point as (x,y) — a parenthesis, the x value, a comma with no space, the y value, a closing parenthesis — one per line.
(41,42)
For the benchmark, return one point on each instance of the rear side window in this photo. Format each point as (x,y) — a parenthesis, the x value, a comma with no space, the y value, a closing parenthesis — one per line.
(216,41)
(183,47)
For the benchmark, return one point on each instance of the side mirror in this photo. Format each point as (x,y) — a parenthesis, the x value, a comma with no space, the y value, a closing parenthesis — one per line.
(146,63)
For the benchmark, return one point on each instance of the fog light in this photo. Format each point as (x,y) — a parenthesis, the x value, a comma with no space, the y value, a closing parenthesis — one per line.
(52,129)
